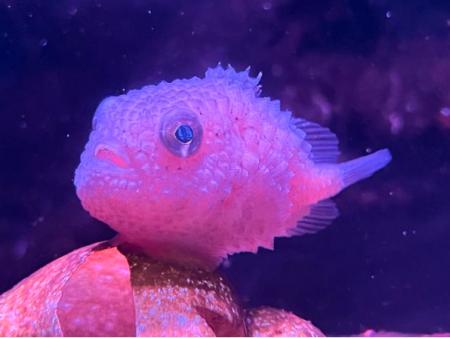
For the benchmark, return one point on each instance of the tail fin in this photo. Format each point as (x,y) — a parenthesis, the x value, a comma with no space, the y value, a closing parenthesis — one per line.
(362,167)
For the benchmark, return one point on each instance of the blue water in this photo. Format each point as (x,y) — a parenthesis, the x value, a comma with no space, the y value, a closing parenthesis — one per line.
(376,72)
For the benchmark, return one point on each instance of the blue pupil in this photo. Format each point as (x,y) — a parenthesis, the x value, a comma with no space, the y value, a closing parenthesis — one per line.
(184,134)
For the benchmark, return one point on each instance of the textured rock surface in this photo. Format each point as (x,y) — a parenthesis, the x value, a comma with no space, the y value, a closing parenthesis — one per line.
(100,291)
(270,322)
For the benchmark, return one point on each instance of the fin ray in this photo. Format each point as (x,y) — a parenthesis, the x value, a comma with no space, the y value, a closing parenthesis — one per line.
(320,216)
(324,144)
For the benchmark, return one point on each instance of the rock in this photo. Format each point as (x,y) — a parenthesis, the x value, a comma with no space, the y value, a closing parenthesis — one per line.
(104,290)
(270,322)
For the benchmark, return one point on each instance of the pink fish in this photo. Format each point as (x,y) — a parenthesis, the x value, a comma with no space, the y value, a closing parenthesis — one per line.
(198,169)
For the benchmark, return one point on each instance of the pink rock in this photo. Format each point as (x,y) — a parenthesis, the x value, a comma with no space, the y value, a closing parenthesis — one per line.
(270,322)
(102,290)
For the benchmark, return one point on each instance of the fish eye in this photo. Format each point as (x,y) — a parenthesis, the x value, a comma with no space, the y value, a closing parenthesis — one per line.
(184,133)
(181,132)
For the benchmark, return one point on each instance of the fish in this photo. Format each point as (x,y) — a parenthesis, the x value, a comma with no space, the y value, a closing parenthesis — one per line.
(195,170)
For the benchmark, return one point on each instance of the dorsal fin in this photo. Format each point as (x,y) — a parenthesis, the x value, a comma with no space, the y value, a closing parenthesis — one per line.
(320,216)
(324,143)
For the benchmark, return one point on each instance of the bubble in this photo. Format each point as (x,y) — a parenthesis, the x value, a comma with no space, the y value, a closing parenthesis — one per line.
(43,42)
(388,14)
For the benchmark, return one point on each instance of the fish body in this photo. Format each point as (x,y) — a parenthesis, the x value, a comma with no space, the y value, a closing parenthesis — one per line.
(198,169)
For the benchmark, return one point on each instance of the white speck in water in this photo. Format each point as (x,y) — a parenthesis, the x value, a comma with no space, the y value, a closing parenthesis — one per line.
(67,135)
(267,5)
(30,15)
(226,263)
(388,14)
(181,13)
(40,219)
(73,10)
(20,248)
(43,42)
(396,123)
(149,12)
(404,233)
(123,89)
(368,150)
(372,276)
(9,6)
(277,70)
(391,193)
(445,111)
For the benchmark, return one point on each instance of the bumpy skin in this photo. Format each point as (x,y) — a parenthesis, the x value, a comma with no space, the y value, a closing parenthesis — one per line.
(250,179)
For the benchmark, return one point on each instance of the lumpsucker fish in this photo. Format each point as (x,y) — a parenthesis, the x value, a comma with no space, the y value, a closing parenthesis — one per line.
(197,169)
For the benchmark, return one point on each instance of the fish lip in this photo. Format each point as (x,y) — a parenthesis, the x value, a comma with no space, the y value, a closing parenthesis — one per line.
(96,170)
(111,155)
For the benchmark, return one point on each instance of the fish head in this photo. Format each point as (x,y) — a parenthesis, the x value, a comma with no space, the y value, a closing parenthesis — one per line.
(165,160)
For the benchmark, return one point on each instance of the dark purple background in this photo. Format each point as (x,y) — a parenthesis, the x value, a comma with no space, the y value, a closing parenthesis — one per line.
(376,72)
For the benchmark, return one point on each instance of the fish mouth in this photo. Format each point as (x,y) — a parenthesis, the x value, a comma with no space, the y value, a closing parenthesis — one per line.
(112,155)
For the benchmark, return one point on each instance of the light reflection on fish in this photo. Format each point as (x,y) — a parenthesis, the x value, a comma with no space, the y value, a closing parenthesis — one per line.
(197,169)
